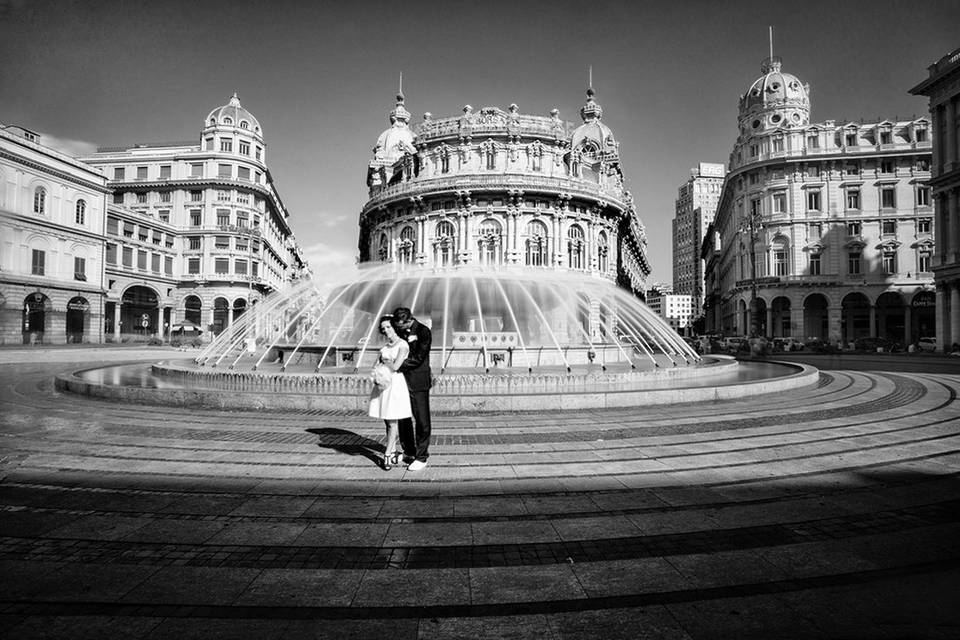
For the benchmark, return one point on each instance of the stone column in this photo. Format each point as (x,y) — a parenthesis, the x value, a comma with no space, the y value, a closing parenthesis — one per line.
(173,320)
(873,321)
(833,324)
(796,322)
(907,325)
(769,330)
(950,149)
(939,314)
(116,321)
(953,312)
(229,314)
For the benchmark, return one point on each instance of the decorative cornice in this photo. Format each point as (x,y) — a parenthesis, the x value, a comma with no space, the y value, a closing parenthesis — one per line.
(13,157)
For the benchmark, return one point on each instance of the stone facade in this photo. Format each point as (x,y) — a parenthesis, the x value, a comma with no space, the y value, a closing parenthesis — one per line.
(827,227)
(51,243)
(503,189)
(696,205)
(943,89)
(195,233)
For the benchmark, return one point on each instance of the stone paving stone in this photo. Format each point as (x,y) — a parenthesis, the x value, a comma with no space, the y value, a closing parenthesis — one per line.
(274,506)
(646,623)
(301,588)
(25,580)
(259,533)
(335,534)
(217,629)
(204,504)
(598,527)
(428,534)
(620,577)
(83,628)
(491,585)
(99,527)
(93,582)
(339,629)
(534,627)
(175,531)
(413,588)
(486,506)
(29,524)
(493,533)
(192,586)
(758,617)
(721,568)
(400,508)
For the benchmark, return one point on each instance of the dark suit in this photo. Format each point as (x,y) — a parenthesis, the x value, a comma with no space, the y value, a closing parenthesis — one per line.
(416,371)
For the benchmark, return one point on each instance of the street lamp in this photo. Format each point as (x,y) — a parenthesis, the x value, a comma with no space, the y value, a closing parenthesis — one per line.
(754,221)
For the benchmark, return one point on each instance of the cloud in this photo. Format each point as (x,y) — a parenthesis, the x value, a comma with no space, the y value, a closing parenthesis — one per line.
(334,220)
(73,148)
(331,263)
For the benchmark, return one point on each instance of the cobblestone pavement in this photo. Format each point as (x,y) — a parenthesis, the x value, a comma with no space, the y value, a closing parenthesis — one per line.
(832,512)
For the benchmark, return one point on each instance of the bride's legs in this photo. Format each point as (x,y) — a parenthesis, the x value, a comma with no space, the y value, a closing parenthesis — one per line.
(391,444)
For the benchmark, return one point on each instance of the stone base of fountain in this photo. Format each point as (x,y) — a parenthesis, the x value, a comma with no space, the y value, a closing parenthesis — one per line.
(586,387)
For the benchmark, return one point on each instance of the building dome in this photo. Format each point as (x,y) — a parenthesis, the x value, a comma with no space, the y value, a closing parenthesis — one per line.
(593,134)
(233,115)
(398,139)
(775,99)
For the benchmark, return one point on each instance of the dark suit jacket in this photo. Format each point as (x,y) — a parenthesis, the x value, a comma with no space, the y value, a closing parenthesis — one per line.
(416,368)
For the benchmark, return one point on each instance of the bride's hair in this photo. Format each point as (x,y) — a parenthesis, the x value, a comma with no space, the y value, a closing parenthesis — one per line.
(386,318)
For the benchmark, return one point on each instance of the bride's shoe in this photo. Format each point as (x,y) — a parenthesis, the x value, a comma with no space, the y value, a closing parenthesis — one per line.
(387,462)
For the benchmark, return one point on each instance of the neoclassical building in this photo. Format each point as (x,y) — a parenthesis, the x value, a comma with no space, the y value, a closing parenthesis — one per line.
(195,232)
(503,189)
(826,228)
(51,243)
(942,86)
(696,205)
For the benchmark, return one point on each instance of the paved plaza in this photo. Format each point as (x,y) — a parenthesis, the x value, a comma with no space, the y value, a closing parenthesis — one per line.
(833,512)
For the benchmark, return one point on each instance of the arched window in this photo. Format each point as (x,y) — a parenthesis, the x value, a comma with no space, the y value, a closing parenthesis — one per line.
(780,254)
(603,250)
(81,217)
(244,124)
(575,247)
(489,240)
(40,200)
(383,248)
(445,243)
(228,120)
(536,244)
(407,247)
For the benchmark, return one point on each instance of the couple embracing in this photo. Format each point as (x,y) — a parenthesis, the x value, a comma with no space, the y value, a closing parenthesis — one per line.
(401,391)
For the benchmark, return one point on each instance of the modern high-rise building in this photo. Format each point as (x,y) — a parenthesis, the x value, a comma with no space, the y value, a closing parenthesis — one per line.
(696,205)
(825,230)
(198,233)
(943,88)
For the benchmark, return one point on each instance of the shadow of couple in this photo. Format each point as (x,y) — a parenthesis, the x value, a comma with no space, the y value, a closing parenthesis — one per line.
(350,443)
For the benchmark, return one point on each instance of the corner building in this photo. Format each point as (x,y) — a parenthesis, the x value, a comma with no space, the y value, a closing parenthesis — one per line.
(196,233)
(829,225)
(502,189)
(943,88)
(696,206)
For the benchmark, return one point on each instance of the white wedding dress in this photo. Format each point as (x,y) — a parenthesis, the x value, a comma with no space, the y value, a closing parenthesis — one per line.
(393,401)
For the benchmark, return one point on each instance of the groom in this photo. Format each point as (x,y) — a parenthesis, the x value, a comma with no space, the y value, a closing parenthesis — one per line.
(416,370)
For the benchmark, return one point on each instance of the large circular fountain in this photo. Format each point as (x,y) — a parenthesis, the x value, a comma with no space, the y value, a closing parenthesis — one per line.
(503,340)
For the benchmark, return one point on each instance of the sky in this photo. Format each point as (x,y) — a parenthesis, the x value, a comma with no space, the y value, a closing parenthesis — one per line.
(321,78)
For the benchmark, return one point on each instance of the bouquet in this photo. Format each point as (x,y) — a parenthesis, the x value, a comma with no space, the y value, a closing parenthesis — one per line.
(381,375)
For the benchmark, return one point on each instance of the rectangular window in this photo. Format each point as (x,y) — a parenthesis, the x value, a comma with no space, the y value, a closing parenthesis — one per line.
(113,226)
(813,142)
(223,195)
(128,257)
(780,262)
(195,218)
(141,173)
(851,140)
(221,265)
(164,215)
(889,262)
(924,225)
(813,200)
(223,216)
(240,267)
(852,169)
(243,198)
(155,263)
(814,264)
(888,227)
(257,177)
(887,198)
(241,220)
(141,197)
(244,148)
(208,144)
(193,266)
(164,172)
(241,244)
(853,263)
(886,137)
(923,262)
(196,170)
(164,196)
(777,145)
(117,198)
(754,149)
(222,242)
(243,173)
(127,229)
(754,208)
(921,135)
(111,254)
(853,198)
(142,260)
(119,173)
(226,145)
(168,241)
(157,236)
(38,262)
(258,153)
(196,196)
(886,166)
(143,233)
(923,196)
(168,265)
(254,268)
(194,243)
(224,171)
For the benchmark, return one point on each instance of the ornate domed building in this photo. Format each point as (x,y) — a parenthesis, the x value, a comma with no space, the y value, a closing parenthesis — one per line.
(503,189)
(823,230)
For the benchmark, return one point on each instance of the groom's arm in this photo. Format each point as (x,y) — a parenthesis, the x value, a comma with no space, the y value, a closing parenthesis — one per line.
(419,350)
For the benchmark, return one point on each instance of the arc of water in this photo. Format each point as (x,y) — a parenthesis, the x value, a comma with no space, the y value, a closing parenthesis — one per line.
(276,340)
(483,332)
(649,331)
(623,351)
(416,294)
(446,307)
(543,319)
(383,304)
(242,330)
(513,318)
(572,314)
(639,340)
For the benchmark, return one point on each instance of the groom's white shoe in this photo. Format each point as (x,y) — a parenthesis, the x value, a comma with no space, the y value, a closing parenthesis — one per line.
(416,465)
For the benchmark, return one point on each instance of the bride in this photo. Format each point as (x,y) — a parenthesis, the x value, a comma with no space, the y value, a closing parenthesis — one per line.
(390,399)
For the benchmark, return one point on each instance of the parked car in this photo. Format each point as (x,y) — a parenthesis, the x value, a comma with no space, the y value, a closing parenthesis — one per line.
(787,344)
(735,343)
(927,344)
(873,344)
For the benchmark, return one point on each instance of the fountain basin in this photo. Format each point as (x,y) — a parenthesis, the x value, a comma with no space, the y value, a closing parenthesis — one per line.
(183,383)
